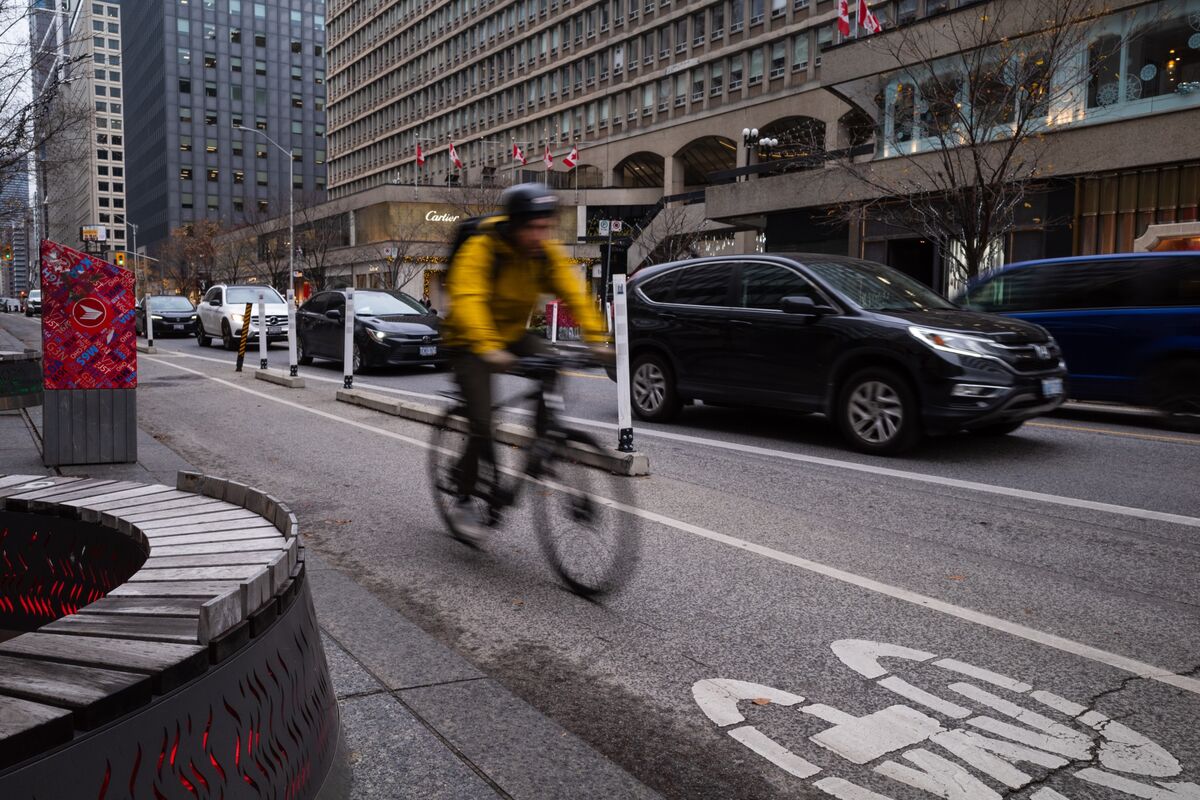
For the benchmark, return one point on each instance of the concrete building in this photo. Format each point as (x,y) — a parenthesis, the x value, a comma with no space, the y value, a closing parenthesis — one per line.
(199,70)
(1114,173)
(15,233)
(81,168)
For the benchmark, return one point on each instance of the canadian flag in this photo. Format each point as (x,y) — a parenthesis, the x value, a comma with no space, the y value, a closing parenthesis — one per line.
(454,157)
(420,156)
(518,154)
(547,158)
(571,158)
(843,17)
(867,19)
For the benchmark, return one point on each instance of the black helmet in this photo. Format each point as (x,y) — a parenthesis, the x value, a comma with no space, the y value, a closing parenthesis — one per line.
(525,201)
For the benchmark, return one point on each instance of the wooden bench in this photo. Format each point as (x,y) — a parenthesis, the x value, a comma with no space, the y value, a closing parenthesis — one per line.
(223,562)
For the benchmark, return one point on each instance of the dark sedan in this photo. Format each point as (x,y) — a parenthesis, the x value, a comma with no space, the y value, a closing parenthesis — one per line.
(173,315)
(390,329)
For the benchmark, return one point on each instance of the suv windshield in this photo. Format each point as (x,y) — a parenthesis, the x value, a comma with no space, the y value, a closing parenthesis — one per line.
(35,294)
(240,294)
(875,287)
(382,304)
(170,303)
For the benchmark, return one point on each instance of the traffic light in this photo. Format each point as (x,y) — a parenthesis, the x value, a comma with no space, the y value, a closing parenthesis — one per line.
(8,253)
(120,258)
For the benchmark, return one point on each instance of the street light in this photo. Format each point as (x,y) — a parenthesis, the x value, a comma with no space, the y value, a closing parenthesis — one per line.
(292,368)
(291,193)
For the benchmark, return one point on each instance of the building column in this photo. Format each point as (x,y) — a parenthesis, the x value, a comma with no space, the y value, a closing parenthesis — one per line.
(673,175)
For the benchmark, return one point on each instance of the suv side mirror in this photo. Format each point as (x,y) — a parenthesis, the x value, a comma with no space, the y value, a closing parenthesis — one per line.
(214,302)
(334,314)
(804,306)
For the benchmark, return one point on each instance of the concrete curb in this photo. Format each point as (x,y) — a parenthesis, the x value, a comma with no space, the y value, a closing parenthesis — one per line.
(618,463)
(277,376)
(142,348)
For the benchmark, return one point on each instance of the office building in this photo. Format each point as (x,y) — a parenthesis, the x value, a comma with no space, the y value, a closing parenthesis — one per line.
(200,70)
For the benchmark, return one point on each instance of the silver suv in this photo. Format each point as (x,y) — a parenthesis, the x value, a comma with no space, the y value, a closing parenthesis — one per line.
(223,308)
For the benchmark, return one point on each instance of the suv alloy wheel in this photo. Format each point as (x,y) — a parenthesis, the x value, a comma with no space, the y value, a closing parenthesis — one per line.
(652,386)
(202,338)
(877,412)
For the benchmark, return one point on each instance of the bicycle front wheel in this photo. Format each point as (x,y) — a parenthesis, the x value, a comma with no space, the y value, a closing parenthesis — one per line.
(581,512)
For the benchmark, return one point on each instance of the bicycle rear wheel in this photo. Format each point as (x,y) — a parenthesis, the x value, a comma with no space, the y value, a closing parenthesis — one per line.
(447,445)
(588,540)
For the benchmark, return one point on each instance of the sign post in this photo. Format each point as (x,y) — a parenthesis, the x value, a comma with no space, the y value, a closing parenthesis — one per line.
(621,339)
(291,300)
(89,363)
(348,349)
(262,329)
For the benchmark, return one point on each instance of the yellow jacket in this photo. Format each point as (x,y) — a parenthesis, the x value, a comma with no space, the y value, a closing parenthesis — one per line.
(484,317)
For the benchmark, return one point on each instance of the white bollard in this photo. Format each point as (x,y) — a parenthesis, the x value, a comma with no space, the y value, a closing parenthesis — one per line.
(292,334)
(348,350)
(554,323)
(149,324)
(262,330)
(621,339)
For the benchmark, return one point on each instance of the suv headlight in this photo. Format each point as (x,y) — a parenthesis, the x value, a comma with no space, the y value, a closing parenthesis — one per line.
(378,335)
(954,342)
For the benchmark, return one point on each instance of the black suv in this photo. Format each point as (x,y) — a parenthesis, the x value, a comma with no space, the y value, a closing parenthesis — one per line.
(879,353)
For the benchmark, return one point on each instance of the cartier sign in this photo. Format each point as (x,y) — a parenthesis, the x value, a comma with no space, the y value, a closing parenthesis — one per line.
(437,216)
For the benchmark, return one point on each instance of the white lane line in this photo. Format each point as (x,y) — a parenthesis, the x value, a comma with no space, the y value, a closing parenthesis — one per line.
(1140,668)
(871,469)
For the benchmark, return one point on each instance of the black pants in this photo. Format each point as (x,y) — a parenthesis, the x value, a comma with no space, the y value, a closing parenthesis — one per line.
(475,382)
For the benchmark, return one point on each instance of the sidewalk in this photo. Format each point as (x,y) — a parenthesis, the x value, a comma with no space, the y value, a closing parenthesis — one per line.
(418,720)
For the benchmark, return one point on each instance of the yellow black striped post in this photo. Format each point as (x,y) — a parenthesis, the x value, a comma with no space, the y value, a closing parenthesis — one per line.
(245,335)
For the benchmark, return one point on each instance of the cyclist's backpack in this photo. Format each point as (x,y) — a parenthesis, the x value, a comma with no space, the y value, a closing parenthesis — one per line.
(465,230)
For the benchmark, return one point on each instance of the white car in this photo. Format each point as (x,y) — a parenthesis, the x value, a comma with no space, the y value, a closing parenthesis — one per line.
(223,309)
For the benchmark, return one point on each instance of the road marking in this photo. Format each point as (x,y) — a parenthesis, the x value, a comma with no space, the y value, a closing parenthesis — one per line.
(1140,668)
(853,466)
(900,740)
(1153,437)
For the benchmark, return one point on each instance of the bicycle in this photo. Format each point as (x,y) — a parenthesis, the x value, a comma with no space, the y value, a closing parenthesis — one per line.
(589,541)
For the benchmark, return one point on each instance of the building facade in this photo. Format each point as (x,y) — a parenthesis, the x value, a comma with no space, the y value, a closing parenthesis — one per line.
(657,97)
(81,167)
(201,70)
(15,233)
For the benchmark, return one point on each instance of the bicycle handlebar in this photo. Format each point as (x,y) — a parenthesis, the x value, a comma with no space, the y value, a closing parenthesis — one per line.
(554,361)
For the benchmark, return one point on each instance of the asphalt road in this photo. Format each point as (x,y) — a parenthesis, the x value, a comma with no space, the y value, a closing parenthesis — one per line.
(986,615)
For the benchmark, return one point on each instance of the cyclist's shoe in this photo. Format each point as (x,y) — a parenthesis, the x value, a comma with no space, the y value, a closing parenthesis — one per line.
(465,525)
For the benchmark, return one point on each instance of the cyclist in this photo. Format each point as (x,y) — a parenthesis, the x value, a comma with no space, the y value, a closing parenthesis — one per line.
(493,283)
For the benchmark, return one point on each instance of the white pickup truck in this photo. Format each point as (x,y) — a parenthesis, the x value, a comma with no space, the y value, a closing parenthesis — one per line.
(223,309)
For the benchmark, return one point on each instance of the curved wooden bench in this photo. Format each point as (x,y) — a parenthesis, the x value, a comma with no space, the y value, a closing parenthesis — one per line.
(195,622)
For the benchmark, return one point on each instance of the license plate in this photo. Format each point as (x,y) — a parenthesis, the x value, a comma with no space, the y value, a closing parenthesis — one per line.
(274,329)
(177,327)
(1052,387)
(430,350)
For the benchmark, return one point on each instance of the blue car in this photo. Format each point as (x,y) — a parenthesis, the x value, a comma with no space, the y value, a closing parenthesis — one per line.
(1128,324)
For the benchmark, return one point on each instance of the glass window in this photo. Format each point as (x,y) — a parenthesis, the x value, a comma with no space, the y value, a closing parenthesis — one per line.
(185,200)
(185,114)
(260,67)
(756,65)
(210,145)
(800,51)
(210,60)
(295,16)
(764,286)
(235,92)
(658,289)
(213,175)
(297,74)
(260,177)
(183,27)
(239,176)
(210,31)
(185,173)
(260,11)
(235,35)
(260,40)
(185,144)
(876,287)
(778,59)
(235,63)
(235,6)
(210,89)
(704,285)
(185,55)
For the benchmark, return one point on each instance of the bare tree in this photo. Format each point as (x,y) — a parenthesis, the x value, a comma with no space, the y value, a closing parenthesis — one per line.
(400,256)
(188,256)
(476,200)
(235,256)
(271,256)
(964,115)
(317,235)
